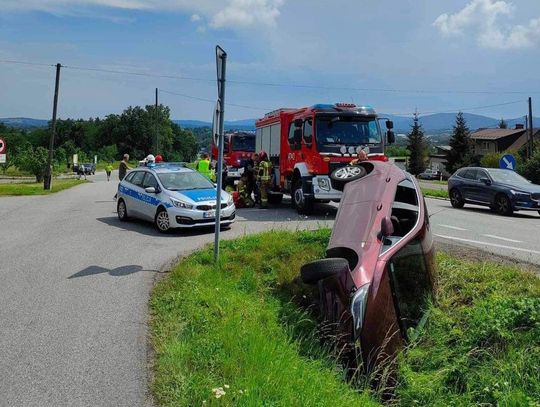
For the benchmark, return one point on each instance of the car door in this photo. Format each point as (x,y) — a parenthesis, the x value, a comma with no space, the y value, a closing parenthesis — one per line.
(134,199)
(149,201)
(483,193)
(468,183)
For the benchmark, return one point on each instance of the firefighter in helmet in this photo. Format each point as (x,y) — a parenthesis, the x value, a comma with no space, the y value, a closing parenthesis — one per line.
(264,178)
(244,195)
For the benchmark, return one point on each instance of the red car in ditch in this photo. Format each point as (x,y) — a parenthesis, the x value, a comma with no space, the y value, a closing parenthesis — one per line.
(378,276)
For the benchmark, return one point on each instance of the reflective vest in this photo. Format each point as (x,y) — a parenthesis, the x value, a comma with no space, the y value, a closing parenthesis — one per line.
(265,170)
(204,168)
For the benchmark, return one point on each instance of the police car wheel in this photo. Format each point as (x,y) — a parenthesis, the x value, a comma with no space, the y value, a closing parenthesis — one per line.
(162,220)
(122,210)
(343,175)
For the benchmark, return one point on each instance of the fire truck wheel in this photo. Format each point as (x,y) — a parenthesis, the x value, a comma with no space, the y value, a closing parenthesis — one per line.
(343,175)
(301,202)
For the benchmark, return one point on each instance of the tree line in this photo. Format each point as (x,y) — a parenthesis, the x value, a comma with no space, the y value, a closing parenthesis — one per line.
(134,131)
(461,153)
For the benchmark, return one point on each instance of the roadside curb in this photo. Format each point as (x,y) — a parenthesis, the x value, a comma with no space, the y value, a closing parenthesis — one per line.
(437,197)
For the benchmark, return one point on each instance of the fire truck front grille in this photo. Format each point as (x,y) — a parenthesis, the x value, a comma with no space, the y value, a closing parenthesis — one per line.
(335,166)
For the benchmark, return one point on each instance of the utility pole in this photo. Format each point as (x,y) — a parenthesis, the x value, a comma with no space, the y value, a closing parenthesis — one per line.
(221,62)
(48,171)
(156,124)
(531,130)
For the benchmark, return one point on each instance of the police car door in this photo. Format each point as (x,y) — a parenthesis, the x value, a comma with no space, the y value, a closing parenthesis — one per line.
(134,195)
(150,200)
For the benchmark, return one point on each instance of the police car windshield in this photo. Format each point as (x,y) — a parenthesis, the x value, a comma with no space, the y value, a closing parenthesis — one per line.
(180,181)
(346,130)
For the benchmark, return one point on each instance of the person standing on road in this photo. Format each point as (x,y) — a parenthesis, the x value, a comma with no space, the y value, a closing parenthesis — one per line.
(264,178)
(108,170)
(124,167)
(203,166)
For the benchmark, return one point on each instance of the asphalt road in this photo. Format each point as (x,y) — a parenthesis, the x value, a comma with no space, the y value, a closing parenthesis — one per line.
(74,290)
(75,286)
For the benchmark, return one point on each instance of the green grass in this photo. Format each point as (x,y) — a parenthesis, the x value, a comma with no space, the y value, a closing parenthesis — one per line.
(238,327)
(242,326)
(437,193)
(482,342)
(37,188)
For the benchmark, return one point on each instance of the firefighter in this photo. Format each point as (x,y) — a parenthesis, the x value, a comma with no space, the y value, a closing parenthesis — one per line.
(264,178)
(255,178)
(203,166)
(245,200)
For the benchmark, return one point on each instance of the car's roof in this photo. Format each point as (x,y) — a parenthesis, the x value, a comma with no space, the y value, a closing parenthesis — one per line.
(163,168)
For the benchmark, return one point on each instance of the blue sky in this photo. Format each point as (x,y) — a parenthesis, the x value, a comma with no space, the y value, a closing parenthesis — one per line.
(349,48)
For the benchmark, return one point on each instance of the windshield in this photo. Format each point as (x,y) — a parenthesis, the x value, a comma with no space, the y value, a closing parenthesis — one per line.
(180,181)
(243,143)
(507,177)
(346,130)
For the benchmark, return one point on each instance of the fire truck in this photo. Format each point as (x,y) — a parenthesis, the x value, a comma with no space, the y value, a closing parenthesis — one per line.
(306,145)
(237,147)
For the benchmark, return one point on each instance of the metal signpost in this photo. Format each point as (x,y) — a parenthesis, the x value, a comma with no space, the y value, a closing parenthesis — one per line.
(221,60)
(507,162)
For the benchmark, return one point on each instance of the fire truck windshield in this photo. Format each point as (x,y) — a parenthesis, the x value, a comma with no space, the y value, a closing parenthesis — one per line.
(337,130)
(243,143)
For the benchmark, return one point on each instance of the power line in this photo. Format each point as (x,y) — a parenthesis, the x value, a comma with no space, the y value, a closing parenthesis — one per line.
(286,85)
(6,61)
(466,109)
(265,109)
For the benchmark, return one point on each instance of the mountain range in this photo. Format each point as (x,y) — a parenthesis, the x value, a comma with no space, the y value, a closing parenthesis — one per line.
(432,124)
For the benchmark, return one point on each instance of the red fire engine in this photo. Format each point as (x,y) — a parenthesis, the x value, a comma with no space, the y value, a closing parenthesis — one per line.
(237,148)
(306,145)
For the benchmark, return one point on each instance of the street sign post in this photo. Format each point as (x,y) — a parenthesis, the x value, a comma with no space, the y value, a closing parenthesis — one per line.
(507,162)
(221,61)
(3,158)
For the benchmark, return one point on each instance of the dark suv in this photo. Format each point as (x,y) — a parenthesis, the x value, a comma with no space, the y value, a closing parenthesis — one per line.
(378,275)
(502,190)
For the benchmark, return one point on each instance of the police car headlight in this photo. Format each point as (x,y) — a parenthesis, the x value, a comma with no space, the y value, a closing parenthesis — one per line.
(181,204)
(324,184)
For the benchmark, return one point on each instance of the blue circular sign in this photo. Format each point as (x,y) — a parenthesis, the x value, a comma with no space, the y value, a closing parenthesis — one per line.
(507,162)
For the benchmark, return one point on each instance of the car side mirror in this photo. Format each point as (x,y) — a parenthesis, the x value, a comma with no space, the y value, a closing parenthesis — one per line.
(389,124)
(486,181)
(387,228)
(391,137)
(150,190)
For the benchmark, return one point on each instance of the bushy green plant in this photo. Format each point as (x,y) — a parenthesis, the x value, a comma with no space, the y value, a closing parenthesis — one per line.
(531,169)
(33,160)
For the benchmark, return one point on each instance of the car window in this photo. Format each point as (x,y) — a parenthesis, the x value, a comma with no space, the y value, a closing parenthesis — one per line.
(468,174)
(137,178)
(410,283)
(129,177)
(481,174)
(149,181)
(178,181)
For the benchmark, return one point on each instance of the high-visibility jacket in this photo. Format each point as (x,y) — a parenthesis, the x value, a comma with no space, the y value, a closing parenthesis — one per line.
(204,168)
(264,170)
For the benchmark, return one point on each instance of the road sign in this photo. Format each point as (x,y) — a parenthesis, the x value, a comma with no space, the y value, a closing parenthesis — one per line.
(3,146)
(507,162)
(215,123)
(2,158)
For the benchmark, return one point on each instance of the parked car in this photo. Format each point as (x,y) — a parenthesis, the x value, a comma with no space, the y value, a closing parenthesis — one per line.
(378,275)
(87,168)
(504,191)
(429,174)
(172,196)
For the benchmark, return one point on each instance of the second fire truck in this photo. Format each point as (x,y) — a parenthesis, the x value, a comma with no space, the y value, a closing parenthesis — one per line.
(306,145)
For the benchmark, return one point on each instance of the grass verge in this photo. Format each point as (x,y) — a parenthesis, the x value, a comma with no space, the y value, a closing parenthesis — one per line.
(37,188)
(436,193)
(238,327)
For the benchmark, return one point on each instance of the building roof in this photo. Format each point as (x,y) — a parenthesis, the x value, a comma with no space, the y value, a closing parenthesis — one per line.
(494,134)
(522,140)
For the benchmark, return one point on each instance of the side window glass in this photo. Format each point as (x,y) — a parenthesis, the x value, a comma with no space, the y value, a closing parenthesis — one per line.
(149,181)
(411,285)
(308,132)
(129,177)
(481,174)
(291,134)
(137,178)
(468,174)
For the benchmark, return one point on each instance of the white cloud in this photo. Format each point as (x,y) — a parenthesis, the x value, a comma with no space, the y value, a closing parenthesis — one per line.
(221,14)
(482,19)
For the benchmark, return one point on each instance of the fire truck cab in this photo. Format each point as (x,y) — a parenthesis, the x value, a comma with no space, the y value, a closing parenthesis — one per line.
(306,145)
(237,148)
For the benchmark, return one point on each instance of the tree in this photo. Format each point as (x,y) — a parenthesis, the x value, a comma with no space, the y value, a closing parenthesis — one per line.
(33,160)
(184,145)
(531,169)
(503,124)
(416,145)
(460,154)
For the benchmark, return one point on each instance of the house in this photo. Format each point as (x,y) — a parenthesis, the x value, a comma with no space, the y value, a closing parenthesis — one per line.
(498,140)
(437,160)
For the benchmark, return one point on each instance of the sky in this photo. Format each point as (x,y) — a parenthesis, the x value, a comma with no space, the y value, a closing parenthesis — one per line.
(397,56)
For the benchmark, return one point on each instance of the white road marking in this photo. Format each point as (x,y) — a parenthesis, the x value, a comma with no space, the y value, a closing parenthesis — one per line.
(452,227)
(489,244)
(503,238)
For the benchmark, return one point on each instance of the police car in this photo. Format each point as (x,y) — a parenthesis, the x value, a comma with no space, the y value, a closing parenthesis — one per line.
(172,196)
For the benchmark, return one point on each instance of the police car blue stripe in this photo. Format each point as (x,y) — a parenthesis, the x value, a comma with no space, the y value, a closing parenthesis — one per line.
(152,200)
(199,195)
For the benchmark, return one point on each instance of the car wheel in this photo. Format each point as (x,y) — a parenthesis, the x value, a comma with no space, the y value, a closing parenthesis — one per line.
(343,175)
(318,270)
(162,220)
(301,202)
(121,209)
(503,206)
(456,199)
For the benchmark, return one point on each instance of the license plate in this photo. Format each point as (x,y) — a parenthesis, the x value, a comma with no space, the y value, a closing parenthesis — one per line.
(209,214)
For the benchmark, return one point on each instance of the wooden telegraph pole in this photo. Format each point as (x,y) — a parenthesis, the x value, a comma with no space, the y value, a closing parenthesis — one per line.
(48,171)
